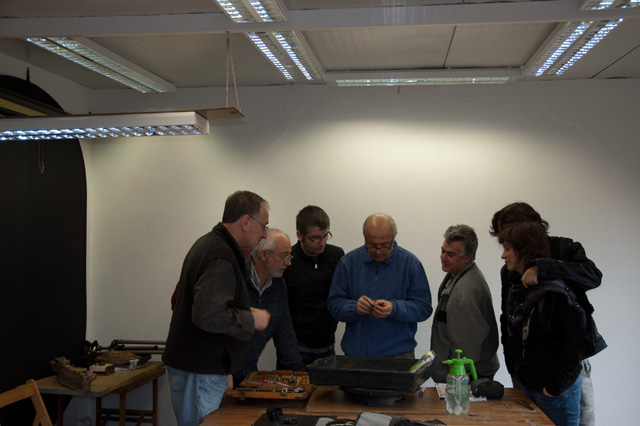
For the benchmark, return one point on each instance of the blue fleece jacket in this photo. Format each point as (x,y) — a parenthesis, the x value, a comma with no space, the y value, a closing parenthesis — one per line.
(400,279)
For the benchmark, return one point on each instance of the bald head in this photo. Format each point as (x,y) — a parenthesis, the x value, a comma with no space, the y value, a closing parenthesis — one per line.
(378,222)
(379,233)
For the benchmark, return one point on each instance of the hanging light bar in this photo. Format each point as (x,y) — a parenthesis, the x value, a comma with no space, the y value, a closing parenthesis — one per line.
(251,11)
(98,126)
(97,58)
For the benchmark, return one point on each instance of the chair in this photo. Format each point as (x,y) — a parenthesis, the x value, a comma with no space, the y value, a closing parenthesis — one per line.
(29,390)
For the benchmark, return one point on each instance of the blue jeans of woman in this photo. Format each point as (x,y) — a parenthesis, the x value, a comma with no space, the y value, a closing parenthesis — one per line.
(194,395)
(564,409)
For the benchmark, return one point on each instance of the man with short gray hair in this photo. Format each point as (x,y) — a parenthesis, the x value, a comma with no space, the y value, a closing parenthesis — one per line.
(267,290)
(464,318)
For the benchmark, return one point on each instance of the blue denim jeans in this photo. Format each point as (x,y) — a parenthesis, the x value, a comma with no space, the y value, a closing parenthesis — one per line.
(564,409)
(194,395)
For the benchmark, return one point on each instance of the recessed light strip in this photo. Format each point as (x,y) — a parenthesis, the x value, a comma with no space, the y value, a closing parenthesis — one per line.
(558,46)
(96,61)
(434,81)
(286,52)
(245,11)
(576,39)
(587,43)
(609,4)
(268,51)
(67,54)
(88,50)
(570,45)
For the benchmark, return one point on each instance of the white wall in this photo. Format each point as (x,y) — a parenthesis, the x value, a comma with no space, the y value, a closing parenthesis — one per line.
(430,157)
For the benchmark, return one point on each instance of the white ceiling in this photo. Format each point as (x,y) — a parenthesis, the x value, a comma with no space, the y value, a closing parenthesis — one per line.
(184,41)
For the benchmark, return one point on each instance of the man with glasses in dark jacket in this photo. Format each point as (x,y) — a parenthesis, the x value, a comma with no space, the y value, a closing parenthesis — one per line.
(308,281)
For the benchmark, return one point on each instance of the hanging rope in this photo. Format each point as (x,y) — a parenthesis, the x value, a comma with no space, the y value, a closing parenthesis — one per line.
(233,73)
(41,157)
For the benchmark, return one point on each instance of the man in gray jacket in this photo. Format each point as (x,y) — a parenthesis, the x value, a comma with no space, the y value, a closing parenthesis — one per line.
(464,318)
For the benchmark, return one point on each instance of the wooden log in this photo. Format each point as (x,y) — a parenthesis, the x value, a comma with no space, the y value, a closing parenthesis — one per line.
(72,377)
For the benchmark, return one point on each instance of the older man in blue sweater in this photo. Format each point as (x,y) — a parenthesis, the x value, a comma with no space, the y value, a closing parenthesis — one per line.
(381,292)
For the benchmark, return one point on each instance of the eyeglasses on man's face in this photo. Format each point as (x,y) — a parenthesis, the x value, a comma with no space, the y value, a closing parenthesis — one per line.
(317,238)
(264,225)
(284,257)
(379,247)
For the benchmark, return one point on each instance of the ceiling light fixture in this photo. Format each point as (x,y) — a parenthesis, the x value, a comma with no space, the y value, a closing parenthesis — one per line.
(98,126)
(434,77)
(251,11)
(288,52)
(575,40)
(609,4)
(97,58)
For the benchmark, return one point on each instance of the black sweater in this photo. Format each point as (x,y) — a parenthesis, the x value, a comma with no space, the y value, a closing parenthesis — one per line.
(308,282)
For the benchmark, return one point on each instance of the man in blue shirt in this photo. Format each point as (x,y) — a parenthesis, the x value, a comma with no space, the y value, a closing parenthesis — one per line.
(381,292)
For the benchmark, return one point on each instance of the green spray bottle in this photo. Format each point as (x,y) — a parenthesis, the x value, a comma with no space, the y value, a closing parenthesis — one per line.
(457,397)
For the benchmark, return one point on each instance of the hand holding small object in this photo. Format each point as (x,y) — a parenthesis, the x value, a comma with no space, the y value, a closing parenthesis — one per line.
(365,305)
(383,308)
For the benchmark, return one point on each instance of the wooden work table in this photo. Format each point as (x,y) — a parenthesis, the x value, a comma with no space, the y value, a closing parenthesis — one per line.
(331,401)
(119,382)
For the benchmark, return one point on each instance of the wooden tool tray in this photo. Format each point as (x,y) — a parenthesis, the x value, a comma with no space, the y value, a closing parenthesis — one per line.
(277,384)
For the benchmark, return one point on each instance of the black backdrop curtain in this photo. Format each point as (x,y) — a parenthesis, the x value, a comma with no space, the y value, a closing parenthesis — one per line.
(43,221)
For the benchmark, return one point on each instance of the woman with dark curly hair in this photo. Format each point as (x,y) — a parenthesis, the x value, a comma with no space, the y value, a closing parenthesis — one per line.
(547,330)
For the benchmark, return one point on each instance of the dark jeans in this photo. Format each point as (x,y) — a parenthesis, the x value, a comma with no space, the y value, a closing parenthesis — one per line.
(309,357)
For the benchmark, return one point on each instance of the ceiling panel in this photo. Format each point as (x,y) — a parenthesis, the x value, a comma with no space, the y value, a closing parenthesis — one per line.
(185,42)
(196,60)
(495,46)
(381,48)
(40,8)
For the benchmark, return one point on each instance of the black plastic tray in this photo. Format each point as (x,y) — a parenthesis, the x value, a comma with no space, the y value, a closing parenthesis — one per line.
(367,373)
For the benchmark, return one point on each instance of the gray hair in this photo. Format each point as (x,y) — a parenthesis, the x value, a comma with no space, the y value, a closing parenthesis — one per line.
(381,217)
(269,243)
(466,235)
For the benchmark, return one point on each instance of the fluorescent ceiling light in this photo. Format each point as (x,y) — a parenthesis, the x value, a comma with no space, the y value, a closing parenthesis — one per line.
(97,58)
(443,81)
(98,126)
(287,51)
(422,77)
(250,11)
(609,4)
(575,40)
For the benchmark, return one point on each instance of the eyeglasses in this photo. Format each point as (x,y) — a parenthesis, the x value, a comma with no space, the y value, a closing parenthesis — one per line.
(380,247)
(317,238)
(282,256)
(264,225)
